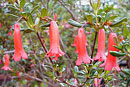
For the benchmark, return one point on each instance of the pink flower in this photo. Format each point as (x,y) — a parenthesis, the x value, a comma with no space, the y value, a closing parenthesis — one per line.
(81,48)
(111,60)
(54,50)
(19,51)
(100,56)
(6,65)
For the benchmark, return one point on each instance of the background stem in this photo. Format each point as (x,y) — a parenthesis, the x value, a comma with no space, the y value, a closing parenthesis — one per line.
(94,44)
(45,49)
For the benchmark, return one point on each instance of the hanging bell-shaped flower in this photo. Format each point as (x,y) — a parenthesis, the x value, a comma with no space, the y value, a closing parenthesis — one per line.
(19,51)
(111,60)
(54,50)
(81,48)
(6,65)
(100,56)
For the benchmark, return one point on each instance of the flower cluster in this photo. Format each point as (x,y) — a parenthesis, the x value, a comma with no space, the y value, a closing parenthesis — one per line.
(81,42)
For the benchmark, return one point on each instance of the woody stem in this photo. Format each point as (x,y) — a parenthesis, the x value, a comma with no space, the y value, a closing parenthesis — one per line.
(45,49)
(94,44)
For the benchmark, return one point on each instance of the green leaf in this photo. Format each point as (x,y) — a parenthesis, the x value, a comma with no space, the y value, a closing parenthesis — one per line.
(34,9)
(127,71)
(76,69)
(12,1)
(27,30)
(30,20)
(22,3)
(13,15)
(108,15)
(118,23)
(117,47)
(46,25)
(89,18)
(12,7)
(116,54)
(44,12)
(113,17)
(76,24)
(125,30)
(24,14)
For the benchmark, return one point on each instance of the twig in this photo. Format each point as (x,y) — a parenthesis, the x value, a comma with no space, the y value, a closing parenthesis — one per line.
(45,49)
(48,4)
(61,2)
(94,44)
(43,3)
(19,19)
(110,28)
(12,51)
(66,83)
(35,78)
(122,59)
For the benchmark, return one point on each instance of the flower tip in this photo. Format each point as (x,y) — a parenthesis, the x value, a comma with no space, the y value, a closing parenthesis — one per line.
(55,58)
(78,62)
(6,68)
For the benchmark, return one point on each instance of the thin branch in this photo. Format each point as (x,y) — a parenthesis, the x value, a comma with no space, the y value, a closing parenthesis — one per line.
(70,11)
(35,78)
(94,44)
(48,4)
(43,3)
(19,19)
(66,83)
(122,59)
(12,51)
(45,49)
(110,28)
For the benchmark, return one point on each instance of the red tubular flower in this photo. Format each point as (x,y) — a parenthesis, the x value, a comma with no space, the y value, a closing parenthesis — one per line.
(54,41)
(6,65)
(100,56)
(10,33)
(111,60)
(0,25)
(81,48)
(19,51)
(76,38)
